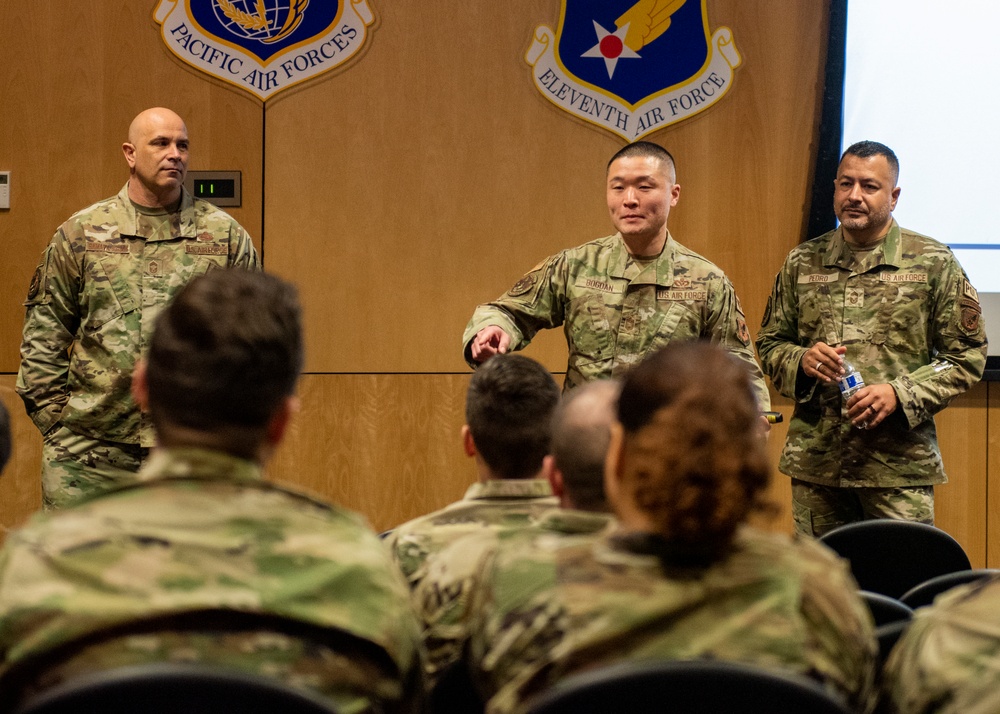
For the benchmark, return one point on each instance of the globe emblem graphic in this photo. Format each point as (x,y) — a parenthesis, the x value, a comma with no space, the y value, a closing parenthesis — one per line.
(265,21)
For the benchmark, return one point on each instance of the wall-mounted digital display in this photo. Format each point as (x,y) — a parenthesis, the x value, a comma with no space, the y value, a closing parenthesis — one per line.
(219,187)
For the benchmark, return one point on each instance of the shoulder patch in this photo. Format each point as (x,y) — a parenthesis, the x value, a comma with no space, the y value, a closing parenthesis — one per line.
(970,316)
(36,281)
(523,285)
(970,292)
(970,312)
(742,332)
(970,320)
(767,311)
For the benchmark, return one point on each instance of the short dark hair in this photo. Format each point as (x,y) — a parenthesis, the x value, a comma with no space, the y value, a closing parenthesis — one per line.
(6,441)
(697,463)
(581,432)
(225,352)
(867,149)
(647,148)
(509,409)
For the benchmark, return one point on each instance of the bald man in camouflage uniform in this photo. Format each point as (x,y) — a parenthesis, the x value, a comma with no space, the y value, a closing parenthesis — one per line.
(948,659)
(104,277)
(201,560)
(622,297)
(896,305)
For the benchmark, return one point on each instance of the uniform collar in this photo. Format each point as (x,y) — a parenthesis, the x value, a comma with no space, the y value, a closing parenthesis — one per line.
(188,462)
(660,272)
(571,521)
(127,225)
(509,488)
(840,255)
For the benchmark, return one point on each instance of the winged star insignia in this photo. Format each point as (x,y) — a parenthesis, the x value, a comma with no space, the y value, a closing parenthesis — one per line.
(658,66)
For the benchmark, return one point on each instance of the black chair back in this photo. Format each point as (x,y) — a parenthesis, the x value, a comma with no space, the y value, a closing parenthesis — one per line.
(887,636)
(890,556)
(174,689)
(686,688)
(885,609)
(455,693)
(924,593)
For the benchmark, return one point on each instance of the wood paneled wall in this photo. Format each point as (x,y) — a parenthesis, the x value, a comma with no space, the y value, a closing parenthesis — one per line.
(75,76)
(423,177)
(453,176)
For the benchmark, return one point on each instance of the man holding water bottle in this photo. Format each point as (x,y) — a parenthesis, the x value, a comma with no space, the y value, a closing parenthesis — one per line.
(871,329)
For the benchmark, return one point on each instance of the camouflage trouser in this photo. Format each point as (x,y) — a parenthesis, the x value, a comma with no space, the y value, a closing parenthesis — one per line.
(74,466)
(818,509)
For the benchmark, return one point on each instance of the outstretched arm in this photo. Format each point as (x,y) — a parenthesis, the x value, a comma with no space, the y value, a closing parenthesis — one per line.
(489,341)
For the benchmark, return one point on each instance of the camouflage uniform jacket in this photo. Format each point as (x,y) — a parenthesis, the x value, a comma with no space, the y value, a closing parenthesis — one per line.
(616,311)
(93,300)
(551,607)
(111,580)
(441,598)
(948,659)
(487,506)
(909,317)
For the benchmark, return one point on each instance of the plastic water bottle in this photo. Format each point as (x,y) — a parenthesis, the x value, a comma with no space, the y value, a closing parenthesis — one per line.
(851,382)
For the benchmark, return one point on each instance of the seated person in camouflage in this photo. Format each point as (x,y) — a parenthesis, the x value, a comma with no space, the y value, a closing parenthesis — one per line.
(201,559)
(581,430)
(622,297)
(682,576)
(508,409)
(948,660)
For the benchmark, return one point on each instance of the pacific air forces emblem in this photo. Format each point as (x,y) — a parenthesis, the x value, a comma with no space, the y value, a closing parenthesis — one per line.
(633,66)
(264,46)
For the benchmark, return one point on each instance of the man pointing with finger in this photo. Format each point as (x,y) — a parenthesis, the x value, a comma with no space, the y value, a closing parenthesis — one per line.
(898,307)
(625,296)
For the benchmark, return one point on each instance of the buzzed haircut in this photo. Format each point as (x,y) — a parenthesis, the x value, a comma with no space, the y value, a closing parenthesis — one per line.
(648,148)
(226,352)
(868,149)
(581,432)
(509,409)
(6,441)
